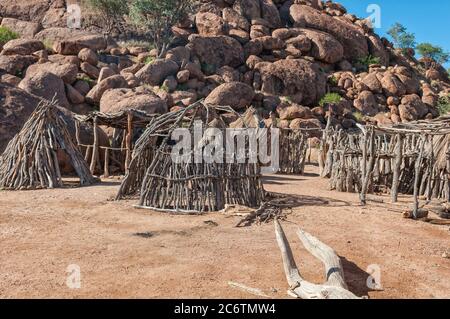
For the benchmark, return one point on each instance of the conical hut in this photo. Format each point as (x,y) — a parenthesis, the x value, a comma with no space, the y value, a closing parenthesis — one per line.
(30,160)
(190,186)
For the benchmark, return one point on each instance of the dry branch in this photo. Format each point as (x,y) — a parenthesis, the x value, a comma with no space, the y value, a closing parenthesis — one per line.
(333,288)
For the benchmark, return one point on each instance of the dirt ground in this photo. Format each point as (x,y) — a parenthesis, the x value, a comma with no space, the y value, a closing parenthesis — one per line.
(125,252)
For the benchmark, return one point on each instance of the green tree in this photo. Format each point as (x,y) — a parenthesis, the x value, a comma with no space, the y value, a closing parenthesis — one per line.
(401,37)
(157,18)
(110,12)
(434,52)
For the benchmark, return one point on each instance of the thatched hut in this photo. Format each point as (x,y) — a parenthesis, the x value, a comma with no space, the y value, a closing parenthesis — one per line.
(190,186)
(30,160)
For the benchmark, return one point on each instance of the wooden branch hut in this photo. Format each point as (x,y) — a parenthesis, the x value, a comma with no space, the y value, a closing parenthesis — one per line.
(30,160)
(190,186)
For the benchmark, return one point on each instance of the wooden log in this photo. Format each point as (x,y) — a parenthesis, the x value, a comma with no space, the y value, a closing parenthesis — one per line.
(333,288)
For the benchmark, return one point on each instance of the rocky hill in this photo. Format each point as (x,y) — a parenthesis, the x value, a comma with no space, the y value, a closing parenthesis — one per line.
(296,59)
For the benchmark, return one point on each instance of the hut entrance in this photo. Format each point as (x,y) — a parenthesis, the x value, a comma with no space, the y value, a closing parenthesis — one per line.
(31,159)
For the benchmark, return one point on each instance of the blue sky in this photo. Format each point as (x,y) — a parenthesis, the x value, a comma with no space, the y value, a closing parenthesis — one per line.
(429,20)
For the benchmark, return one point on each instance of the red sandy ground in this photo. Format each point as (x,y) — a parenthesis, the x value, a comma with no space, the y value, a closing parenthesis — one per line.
(42,232)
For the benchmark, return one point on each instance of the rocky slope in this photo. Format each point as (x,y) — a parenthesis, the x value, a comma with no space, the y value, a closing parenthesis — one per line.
(278,56)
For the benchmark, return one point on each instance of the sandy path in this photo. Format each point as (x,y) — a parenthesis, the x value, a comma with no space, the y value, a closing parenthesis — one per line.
(42,232)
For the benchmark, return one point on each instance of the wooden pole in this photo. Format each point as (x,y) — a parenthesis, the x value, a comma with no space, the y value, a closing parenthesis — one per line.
(77,134)
(106,169)
(397,168)
(94,148)
(369,168)
(128,140)
(416,178)
(448,170)
(323,146)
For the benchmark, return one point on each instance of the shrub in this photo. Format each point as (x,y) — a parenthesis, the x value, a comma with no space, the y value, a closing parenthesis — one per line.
(330,98)
(7,35)
(157,18)
(333,81)
(364,62)
(149,60)
(85,78)
(164,88)
(286,99)
(444,105)
(110,13)
(48,44)
(358,116)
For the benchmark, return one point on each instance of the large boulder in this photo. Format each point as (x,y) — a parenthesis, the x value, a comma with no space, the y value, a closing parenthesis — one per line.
(67,71)
(24,28)
(294,111)
(270,13)
(10,79)
(237,95)
(372,82)
(324,46)
(249,9)
(46,85)
(301,80)
(30,10)
(22,47)
(215,52)
(156,72)
(209,24)
(55,17)
(353,40)
(89,56)
(366,103)
(75,45)
(392,86)
(235,20)
(16,64)
(139,98)
(16,107)
(52,35)
(113,82)
(377,49)
(413,104)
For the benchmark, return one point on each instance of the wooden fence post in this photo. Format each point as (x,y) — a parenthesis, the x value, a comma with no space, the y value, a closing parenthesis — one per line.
(94,148)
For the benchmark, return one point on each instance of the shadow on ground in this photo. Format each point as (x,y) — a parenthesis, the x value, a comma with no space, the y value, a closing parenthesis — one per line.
(356,278)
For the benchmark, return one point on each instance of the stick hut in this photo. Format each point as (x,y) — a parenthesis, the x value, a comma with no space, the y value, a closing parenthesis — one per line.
(30,160)
(191,186)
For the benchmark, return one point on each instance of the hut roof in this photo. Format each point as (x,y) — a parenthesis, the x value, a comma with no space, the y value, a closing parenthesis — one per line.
(119,120)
